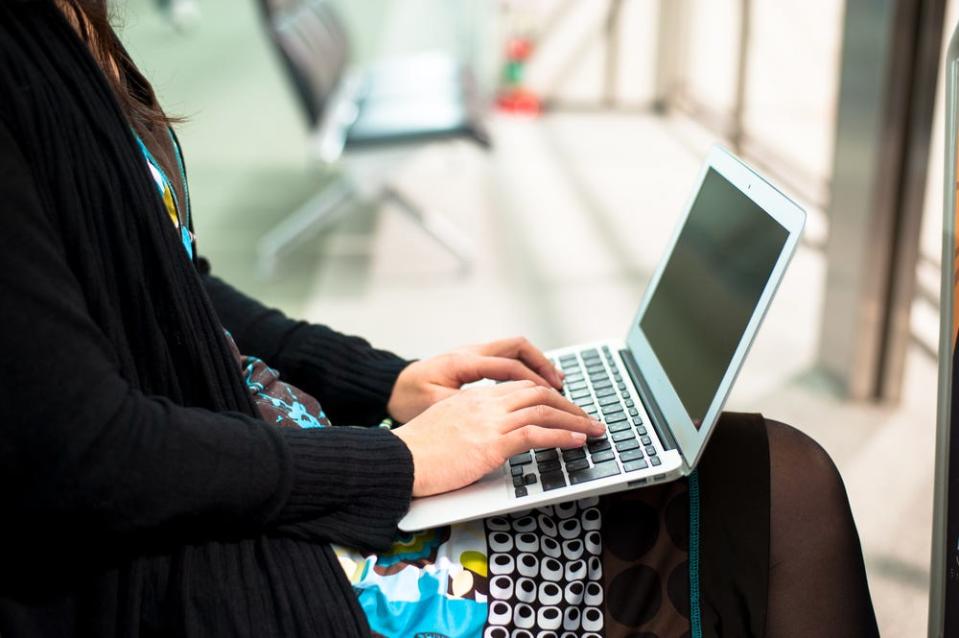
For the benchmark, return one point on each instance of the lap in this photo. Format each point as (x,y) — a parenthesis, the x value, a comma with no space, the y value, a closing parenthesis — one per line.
(615,566)
(648,550)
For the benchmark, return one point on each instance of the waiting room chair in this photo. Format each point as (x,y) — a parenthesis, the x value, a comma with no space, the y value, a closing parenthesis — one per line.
(386,109)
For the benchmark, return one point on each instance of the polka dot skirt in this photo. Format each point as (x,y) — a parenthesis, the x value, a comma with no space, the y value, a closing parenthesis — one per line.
(546,572)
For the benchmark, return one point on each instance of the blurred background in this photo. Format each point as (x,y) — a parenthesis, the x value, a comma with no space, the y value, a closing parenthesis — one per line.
(428,173)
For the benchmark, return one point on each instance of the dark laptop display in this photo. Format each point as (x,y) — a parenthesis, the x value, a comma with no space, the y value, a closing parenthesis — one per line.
(725,253)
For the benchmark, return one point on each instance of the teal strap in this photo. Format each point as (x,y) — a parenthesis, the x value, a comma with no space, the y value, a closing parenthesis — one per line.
(695,617)
(186,185)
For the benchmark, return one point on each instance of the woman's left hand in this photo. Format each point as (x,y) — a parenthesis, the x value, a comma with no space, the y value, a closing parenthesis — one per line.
(423,383)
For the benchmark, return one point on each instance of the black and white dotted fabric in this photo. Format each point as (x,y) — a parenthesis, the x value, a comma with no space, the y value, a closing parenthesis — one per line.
(546,572)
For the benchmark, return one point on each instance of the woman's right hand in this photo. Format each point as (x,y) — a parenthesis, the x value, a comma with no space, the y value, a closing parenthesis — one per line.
(460,439)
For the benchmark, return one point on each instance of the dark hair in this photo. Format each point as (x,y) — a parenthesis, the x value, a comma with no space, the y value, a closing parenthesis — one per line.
(135,94)
(92,21)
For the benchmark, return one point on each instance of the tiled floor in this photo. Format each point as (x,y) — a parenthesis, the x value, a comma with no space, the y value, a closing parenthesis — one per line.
(568,216)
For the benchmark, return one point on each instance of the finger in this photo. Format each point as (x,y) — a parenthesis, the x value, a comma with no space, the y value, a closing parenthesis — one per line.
(520,348)
(532,437)
(527,397)
(503,369)
(547,417)
(506,388)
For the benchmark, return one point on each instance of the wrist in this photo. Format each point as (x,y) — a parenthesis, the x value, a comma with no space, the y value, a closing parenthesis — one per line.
(399,405)
(404,435)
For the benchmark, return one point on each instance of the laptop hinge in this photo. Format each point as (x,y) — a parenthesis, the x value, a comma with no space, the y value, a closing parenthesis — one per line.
(658,421)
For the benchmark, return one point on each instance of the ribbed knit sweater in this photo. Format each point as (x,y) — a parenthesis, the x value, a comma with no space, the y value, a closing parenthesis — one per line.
(126,513)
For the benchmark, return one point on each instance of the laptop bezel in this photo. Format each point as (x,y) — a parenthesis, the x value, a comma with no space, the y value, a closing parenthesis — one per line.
(689,439)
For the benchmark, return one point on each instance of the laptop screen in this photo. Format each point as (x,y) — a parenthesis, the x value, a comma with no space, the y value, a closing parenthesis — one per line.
(709,289)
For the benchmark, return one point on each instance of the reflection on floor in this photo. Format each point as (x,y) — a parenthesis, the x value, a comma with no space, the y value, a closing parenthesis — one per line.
(568,214)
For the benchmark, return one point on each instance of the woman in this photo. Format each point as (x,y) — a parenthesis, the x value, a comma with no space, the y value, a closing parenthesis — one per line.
(156,481)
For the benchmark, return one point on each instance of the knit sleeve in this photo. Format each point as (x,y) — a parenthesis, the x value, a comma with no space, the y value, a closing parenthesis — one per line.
(351,379)
(350,485)
(86,457)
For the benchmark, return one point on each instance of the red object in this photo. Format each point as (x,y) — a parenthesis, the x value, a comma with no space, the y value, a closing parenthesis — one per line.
(518,49)
(518,100)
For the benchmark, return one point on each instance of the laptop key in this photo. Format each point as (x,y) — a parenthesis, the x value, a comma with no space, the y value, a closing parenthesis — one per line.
(629,402)
(654,460)
(613,400)
(520,459)
(637,420)
(576,385)
(592,352)
(598,446)
(633,412)
(625,435)
(521,491)
(552,481)
(598,471)
(630,455)
(516,470)
(575,466)
(632,466)
(605,392)
(530,479)
(549,466)
(621,386)
(614,417)
(580,394)
(646,440)
(547,455)
(518,481)
(575,453)
(619,426)
(640,430)
(595,439)
(650,450)
(630,444)
(600,457)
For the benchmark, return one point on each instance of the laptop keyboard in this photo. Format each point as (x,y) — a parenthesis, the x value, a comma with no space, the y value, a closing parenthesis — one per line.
(594,383)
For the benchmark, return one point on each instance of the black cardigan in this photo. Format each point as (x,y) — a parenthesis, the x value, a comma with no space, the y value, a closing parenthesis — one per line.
(126,512)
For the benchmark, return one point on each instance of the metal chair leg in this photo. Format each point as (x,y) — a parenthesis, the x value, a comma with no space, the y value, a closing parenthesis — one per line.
(441,229)
(320,211)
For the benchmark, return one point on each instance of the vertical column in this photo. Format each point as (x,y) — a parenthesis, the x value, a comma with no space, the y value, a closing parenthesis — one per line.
(890,54)
(670,52)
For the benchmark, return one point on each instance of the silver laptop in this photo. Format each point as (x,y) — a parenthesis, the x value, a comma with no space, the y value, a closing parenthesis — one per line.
(659,392)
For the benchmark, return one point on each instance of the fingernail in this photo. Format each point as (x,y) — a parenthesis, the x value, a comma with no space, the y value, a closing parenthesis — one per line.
(579,437)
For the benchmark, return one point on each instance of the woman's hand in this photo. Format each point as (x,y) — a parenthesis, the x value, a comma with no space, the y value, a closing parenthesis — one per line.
(423,383)
(471,433)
